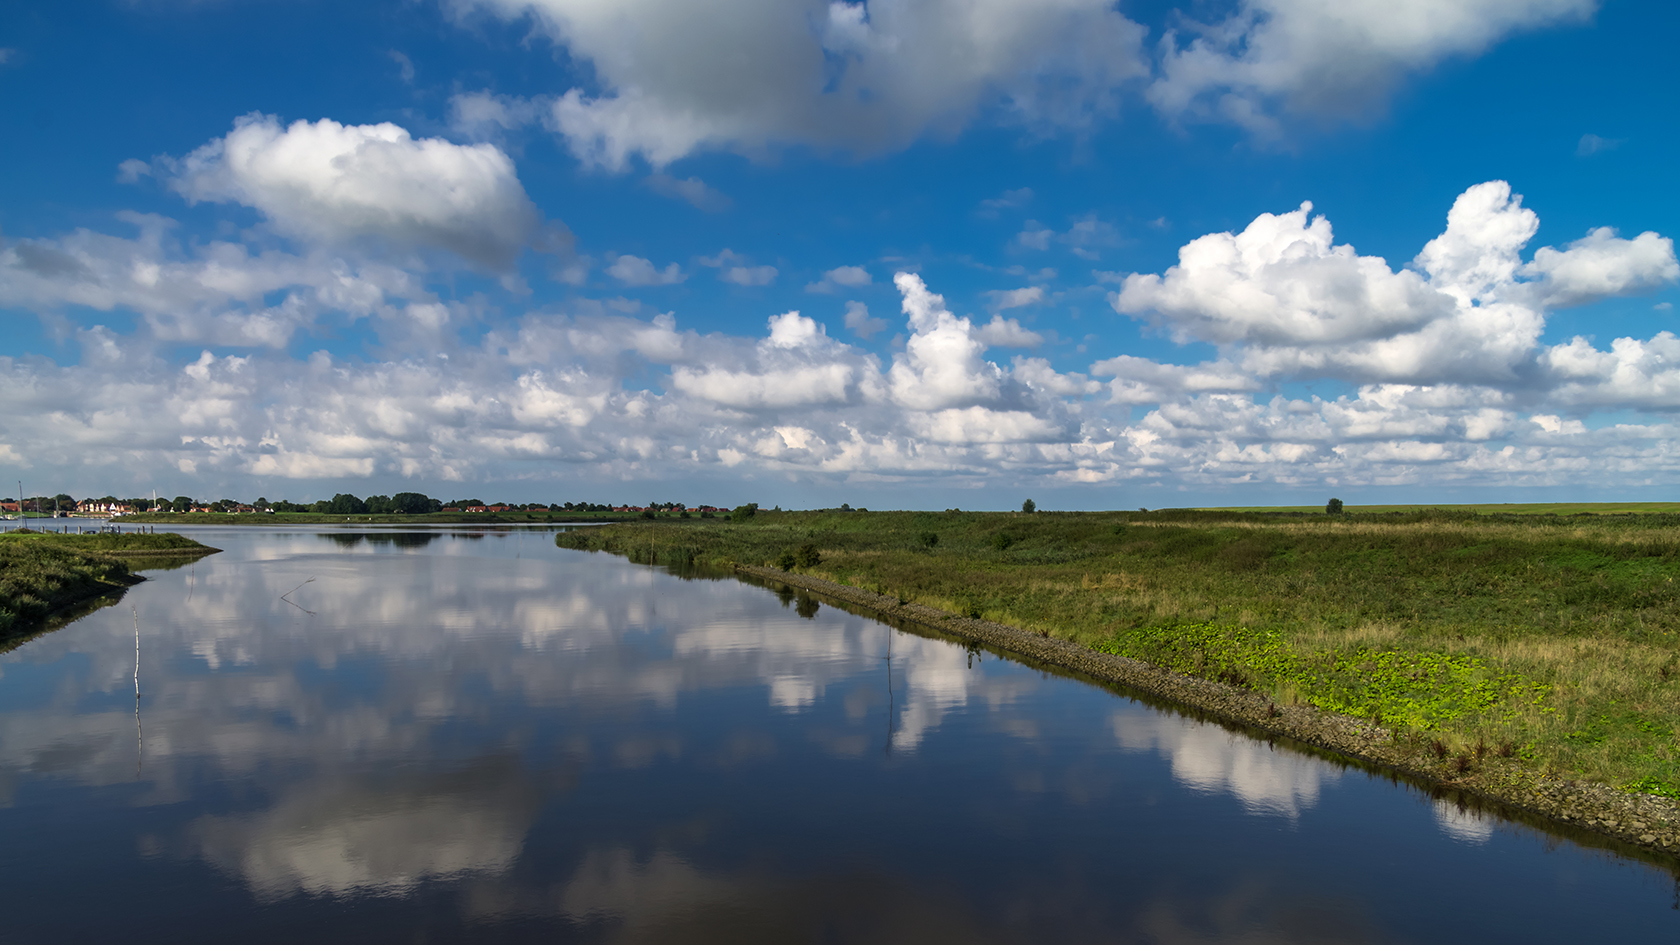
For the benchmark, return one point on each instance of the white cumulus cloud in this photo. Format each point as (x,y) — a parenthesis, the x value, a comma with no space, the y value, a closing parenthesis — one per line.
(341,184)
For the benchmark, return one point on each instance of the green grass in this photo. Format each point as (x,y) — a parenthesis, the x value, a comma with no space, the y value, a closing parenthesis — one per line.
(1553,637)
(1506,508)
(42,572)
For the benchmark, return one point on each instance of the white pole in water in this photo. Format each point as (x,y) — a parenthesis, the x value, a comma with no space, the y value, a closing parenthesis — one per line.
(139,742)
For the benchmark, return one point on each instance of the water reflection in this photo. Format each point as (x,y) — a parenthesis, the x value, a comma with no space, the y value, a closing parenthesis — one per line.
(496,732)
(391,539)
(1209,758)
(381,833)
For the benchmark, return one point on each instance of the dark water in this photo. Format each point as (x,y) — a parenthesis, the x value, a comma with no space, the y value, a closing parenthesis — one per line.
(480,737)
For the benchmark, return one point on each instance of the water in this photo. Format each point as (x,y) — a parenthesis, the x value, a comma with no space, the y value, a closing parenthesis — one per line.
(451,735)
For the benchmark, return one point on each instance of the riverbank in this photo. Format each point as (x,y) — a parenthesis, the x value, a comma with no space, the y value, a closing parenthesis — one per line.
(1529,660)
(43,573)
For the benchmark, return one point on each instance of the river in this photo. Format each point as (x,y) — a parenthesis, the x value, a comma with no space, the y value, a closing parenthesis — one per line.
(472,735)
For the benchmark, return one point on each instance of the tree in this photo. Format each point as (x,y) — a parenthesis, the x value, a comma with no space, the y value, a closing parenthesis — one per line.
(346,504)
(744,512)
(183,503)
(414,503)
(1029,507)
(1333,507)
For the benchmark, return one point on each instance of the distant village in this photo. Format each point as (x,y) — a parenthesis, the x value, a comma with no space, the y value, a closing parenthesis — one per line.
(403,503)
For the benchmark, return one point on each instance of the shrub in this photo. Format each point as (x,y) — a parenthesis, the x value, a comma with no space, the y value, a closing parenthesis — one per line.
(1333,507)
(787,561)
(744,512)
(929,539)
(1001,541)
(1029,507)
(808,556)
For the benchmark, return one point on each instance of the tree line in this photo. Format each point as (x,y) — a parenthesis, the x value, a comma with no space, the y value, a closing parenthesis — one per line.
(344,503)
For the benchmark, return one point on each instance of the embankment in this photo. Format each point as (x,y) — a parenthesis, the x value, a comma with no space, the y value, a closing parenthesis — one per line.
(1594,813)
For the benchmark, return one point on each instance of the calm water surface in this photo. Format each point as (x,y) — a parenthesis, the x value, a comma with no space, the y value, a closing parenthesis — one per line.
(458,736)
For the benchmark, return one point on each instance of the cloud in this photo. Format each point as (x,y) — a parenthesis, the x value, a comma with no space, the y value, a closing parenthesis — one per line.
(405,65)
(941,366)
(1034,236)
(859,323)
(692,189)
(1600,266)
(1281,280)
(1085,238)
(749,275)
(1142,381)
(1333,60)
(7,54)
(849,277)
(214,293)
(338,185)
(1591,144)
(1287,300)
(636,271)
(1448,383)
(1008,200)
(673,78)
(735,269)
(1007,333)
(487,116)
(1005,299)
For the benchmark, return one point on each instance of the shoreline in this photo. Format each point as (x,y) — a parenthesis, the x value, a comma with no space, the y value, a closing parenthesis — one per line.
(1601,815)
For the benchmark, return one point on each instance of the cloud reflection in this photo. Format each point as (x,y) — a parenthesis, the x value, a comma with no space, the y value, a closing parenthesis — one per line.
(1210,758)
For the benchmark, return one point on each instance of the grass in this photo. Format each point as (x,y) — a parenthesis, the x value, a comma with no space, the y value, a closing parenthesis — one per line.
(44,572)
(1551,638)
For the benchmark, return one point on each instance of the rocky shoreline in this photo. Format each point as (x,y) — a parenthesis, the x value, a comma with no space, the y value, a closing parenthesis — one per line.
(1643,825)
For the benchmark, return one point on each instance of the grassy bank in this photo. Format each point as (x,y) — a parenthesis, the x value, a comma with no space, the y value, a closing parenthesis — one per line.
(1548,642)
(41,572)
(323,518)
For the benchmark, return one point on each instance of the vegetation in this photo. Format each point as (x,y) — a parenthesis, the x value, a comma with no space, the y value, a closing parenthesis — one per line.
(1548,638)
(42,572)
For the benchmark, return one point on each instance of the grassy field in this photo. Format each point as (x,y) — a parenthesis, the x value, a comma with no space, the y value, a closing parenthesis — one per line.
(324,518)
(1507,508)
(41,573)
(1549,638)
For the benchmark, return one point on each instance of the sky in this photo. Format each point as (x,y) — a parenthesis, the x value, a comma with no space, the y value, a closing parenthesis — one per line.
(896,254)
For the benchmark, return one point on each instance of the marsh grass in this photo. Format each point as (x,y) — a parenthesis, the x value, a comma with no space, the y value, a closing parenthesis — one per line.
(1555,635)
(41,572)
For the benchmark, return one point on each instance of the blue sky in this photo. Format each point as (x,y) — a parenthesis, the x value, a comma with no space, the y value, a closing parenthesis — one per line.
(548,250)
